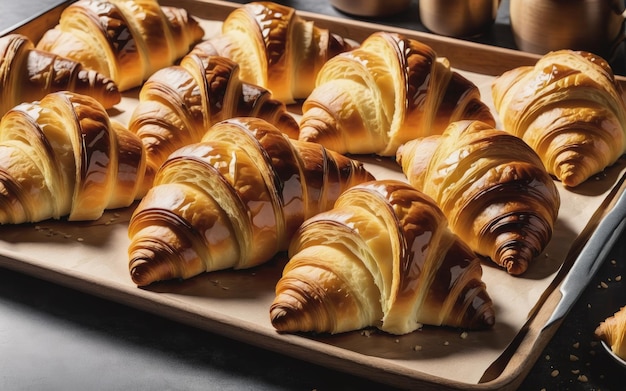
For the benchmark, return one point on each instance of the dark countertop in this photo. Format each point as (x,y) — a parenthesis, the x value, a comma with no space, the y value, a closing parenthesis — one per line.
(55,338)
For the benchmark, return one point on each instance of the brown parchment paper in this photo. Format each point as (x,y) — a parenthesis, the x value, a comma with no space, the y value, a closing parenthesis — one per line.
(92,256)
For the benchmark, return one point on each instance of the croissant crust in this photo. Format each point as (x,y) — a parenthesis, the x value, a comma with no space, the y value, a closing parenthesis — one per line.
(125,40)
(28,74)
(384,257)
(492,187)
(233,200)
(63,156)
(389,90)
(569,108)
(177,104)
(276,48)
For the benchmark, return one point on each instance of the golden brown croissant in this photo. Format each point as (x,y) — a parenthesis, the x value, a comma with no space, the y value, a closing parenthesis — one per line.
(28,74)
(569,108)
(390,90)
(276,48)
(232,200)
(125,40)
(177,104)
(63,156)
(383,256)
(492,187)
(613,332)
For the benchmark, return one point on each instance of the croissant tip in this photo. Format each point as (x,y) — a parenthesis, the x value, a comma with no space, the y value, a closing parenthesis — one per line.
(140,272)
(281,318)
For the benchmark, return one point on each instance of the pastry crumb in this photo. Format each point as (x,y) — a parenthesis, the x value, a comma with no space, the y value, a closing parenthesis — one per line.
(573,357)
(583,379)
(554,373)
(464,335)
(417,348)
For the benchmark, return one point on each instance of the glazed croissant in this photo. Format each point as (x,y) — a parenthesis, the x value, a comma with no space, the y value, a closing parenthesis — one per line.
(177,104)
(491,186)
(613,332)
(276,48)
(569,108)
(383,256)
(28,74)
(125,40)
(63,156)
(390,90)
(232,200)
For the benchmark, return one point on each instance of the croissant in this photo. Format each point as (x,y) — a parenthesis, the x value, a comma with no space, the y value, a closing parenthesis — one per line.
(177,104)
(63,156)
(28,74)
(569,108)
(390,90)
(613,331)
(492,187)
(125,40)
(276,48)
(233,200)
(385,257)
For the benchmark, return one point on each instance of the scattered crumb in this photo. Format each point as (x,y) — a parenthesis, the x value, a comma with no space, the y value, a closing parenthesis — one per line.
(575,371)
(397,340)
(446,343)
(573,357)
(547,357)
(613,262)
(464,335)
(593,343)
(576,345)
(80,239)
(554,373)
(366,333)
(582,379)
(603,285)
(417,348)
(618,278)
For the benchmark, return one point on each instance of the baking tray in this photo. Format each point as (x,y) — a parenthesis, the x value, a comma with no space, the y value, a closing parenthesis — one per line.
(91,257)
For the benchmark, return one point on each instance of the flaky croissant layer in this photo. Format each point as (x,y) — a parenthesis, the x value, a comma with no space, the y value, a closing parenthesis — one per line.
(177,104)
(63,156)
(28,74)
(389,90)
(569,108)
(125,40)
(275,48)
(493,188)
(232,200)
(382,256)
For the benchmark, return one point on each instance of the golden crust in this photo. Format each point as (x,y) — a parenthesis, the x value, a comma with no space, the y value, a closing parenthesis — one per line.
(568,108)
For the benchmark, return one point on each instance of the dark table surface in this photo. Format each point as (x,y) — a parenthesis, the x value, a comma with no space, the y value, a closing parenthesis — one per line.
(56,338)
